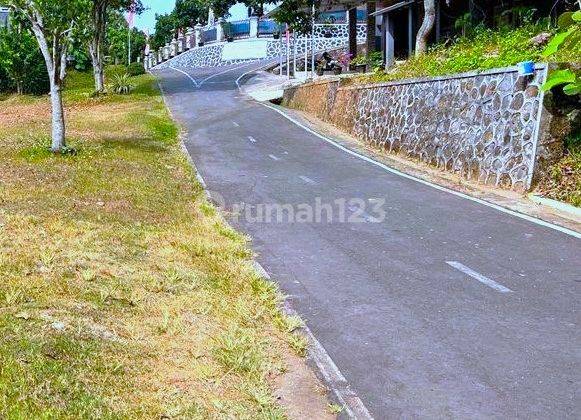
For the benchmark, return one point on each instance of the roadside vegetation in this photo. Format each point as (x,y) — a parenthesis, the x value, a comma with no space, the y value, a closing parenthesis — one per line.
(123,293)
(480,49)
(564,180)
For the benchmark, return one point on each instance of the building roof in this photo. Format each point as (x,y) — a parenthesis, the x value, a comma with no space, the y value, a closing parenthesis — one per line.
(394,6)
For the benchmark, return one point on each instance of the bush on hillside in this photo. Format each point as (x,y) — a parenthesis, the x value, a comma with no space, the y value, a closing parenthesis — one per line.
(135,69)
(482,49)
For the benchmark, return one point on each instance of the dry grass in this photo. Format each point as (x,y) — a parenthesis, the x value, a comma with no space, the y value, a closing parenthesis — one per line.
(123,294)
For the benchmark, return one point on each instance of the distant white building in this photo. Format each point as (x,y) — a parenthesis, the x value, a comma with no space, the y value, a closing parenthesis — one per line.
(4,13)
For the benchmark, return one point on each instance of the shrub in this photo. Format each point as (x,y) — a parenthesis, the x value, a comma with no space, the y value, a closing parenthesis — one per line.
(22,64)
(482,49)
(135,69)
(121,84)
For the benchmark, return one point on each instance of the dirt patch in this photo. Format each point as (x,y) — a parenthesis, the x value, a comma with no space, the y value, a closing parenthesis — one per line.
(300,392)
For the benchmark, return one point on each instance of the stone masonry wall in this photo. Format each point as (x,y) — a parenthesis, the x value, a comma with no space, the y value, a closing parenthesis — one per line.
(484,126)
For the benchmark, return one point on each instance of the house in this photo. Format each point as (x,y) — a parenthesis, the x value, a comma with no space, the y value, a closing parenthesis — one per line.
(4,14)
(397,21)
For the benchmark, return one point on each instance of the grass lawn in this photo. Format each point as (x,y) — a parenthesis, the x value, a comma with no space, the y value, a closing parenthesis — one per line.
(123,294)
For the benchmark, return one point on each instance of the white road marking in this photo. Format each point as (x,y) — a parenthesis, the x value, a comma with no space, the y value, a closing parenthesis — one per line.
(526,217)
(352,404)
(235,124)
(222,72)
(273,157)
(307,179)
(252,139)
(251,71)
(481,278)
(189,77)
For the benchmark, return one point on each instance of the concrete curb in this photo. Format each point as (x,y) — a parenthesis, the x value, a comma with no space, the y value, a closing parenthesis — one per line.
(569,209)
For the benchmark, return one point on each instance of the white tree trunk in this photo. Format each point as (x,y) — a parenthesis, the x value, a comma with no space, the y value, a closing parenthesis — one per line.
(426,28)
(58,118)
(98,73)
(51,61)
(63,72)
(96,45)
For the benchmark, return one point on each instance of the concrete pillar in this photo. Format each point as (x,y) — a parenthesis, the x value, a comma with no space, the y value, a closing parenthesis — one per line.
(181,43)
(352,25)
(166,52)
(253,26)
(190,39)
(174,47)
(160,55)
(211,18)
(387,40)
(219,30)
(199,33)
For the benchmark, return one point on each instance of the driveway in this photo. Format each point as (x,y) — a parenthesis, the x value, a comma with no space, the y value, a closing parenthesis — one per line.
(430,304)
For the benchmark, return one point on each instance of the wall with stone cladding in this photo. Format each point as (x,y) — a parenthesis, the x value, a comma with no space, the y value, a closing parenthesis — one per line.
(484,126)
(211,55)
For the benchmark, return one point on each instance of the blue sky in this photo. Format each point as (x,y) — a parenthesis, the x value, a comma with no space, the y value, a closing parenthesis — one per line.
(147,18)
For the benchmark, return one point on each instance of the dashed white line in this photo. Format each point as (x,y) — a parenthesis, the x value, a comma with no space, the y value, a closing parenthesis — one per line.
(481,278)
(273,157)
(235,124)
(307,179)
(497,207)
(252,139)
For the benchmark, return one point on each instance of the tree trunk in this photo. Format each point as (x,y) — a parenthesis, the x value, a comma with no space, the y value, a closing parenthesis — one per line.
(53,63)
(19,90)
(98,72)
(96,44)
(63,71)
(58,118)
(370,40)
(426,28)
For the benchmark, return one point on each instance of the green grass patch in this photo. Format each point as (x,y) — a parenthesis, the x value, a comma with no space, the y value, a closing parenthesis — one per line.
(482,49)
(123,293)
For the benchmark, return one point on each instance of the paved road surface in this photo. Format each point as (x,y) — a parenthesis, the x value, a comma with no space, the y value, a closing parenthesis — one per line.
(447,308)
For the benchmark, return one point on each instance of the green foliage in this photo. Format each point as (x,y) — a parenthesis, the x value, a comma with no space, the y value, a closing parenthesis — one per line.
(296,13)
(116,40)
(135,69)
(21,62)
(188,12)
(165,27)
(482,50)
(464,24)
(121,84)
(373,59)
(567,40)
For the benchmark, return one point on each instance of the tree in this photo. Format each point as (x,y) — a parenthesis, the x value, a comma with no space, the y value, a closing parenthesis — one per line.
(257,6)
(188,12)
(296,13)
(99,13)
(221,7)
(18,53)
(52,24)
(165,28)
(426,28)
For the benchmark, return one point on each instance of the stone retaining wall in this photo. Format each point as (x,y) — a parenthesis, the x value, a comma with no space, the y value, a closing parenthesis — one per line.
(490,126)
(211,55)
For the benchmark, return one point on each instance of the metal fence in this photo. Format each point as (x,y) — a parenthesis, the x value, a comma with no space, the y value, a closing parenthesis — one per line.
(239,29)
(268,27)
(210,35)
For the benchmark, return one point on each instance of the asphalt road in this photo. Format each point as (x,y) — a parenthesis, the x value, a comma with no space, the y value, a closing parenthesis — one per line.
(443,308)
